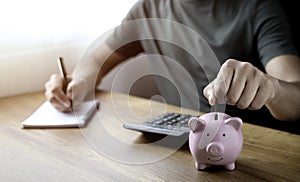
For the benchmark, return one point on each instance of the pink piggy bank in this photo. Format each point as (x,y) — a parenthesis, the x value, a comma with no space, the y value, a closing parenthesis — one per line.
(215,139)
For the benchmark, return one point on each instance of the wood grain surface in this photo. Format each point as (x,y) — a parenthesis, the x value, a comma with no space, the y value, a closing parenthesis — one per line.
(105,151)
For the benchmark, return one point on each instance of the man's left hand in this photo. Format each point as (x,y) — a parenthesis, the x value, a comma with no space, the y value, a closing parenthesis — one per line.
(241,84)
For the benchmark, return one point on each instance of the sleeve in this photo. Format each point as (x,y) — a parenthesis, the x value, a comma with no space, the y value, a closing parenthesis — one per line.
(126,34)
(272,31)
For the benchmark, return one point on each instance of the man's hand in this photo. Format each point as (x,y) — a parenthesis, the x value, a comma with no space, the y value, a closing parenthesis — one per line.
(68,100)
(241,84)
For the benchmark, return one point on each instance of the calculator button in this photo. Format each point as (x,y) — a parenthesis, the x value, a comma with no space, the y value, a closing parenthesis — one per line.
(170,122)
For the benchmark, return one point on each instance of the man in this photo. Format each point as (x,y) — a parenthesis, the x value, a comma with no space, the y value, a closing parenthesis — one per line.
(259,76)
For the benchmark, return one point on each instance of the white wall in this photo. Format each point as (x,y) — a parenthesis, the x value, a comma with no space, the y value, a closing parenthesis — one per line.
(33,33)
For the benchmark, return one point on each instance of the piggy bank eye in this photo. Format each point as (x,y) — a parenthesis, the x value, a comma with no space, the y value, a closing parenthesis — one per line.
(224,135)
(207,134)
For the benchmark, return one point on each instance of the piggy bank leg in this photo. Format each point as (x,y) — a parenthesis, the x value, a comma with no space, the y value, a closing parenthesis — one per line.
(200,166)
(230,166)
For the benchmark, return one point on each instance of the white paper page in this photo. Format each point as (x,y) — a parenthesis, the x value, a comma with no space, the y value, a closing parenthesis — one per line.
(47,116)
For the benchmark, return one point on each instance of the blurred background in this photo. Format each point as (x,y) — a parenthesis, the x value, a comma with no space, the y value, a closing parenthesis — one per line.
(33,33)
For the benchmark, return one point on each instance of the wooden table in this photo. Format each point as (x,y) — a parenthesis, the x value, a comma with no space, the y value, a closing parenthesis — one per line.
(104,151)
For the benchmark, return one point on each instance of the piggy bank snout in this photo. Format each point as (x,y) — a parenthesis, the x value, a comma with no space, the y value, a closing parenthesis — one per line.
(215,149)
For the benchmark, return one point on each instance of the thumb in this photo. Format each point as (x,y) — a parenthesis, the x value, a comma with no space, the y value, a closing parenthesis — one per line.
(208,92)
(69,78)
(76,93)
(69,91)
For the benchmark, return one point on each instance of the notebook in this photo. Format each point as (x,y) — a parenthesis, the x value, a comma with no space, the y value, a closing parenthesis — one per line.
(46,116)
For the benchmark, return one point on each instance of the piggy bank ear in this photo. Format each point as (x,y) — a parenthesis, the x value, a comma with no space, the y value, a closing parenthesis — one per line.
(196,124)
(235,122)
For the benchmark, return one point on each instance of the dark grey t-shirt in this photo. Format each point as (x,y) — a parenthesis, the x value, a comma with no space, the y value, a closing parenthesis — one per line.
(194,37)
(254,31)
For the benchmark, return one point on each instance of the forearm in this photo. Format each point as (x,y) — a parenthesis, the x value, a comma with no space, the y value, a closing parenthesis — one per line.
(108,63)
(285,74)
(98,61)
(286,103)
(90,65)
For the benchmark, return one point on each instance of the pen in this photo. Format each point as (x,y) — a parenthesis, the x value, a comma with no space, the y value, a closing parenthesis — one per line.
(63,74)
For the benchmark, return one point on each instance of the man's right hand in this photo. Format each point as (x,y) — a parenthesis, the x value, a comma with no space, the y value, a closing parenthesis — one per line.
(65,101)
(55,94)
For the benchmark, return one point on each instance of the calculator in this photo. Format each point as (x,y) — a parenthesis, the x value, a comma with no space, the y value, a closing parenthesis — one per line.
(171,123)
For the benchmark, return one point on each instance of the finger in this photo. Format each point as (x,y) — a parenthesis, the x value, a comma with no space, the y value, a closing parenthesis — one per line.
(55,94)
(56,81)
(223,81)
(209,94)
(69,91)
(237,87)
(58,106)
(58,97)
(261,98)
(61,97)
(76,93)
(69,78)
(248,95)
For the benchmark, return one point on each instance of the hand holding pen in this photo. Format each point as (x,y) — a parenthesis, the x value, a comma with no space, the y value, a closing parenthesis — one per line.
(58,89)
